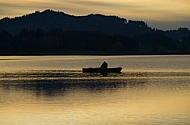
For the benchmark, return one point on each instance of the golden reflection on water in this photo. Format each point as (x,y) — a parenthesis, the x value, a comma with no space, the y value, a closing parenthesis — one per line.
(35,91)
(155,101)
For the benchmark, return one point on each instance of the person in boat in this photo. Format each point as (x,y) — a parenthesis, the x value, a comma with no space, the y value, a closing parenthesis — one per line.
(104,65)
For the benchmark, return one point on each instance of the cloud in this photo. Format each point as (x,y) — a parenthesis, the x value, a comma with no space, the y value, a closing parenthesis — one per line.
(147,10)
(93,3)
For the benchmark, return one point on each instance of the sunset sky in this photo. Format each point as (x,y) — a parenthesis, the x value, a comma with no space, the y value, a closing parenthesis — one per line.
(163,14)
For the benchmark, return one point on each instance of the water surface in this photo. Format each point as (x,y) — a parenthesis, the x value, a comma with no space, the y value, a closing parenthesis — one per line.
(36,90)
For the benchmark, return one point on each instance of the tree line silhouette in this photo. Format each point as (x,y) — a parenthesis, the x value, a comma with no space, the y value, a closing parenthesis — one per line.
(61,42)
(34,42)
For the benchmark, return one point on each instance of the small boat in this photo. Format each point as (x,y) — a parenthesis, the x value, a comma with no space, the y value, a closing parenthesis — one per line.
(102,70)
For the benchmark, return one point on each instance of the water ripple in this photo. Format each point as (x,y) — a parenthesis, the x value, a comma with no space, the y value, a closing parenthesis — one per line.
(77,74)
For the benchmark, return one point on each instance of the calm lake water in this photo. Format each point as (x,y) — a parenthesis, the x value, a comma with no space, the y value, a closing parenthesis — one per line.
(52,90)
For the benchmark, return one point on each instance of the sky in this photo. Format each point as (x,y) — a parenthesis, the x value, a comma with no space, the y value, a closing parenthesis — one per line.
(161,14)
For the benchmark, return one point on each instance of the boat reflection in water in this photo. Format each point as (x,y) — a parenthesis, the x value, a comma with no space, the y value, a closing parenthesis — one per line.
(55,82)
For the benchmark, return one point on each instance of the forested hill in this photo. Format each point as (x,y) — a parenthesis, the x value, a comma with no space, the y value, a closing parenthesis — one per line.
(49,20)
(51,32)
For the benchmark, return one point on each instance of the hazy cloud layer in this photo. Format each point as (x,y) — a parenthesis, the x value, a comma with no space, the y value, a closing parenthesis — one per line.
(147,10)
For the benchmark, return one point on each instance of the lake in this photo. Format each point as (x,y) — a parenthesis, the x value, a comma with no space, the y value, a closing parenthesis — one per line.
(52,90)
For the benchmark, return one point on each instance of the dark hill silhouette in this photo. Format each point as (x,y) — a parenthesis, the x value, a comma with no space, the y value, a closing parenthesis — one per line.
(180,33)
(49,20)
(51,32)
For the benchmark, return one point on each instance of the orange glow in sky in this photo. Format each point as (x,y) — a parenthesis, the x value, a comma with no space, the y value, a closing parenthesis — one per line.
(171,13)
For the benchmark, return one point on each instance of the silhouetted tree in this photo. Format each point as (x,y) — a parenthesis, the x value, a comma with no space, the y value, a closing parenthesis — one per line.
(6,40)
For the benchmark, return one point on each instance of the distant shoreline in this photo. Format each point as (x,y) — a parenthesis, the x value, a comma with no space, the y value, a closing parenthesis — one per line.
(87,54)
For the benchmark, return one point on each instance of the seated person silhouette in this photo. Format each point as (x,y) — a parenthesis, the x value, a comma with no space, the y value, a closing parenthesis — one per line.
(104,65)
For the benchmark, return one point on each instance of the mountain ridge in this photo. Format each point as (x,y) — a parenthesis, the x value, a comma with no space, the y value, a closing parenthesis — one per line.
(49,20)
(51,32)
(109,24)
